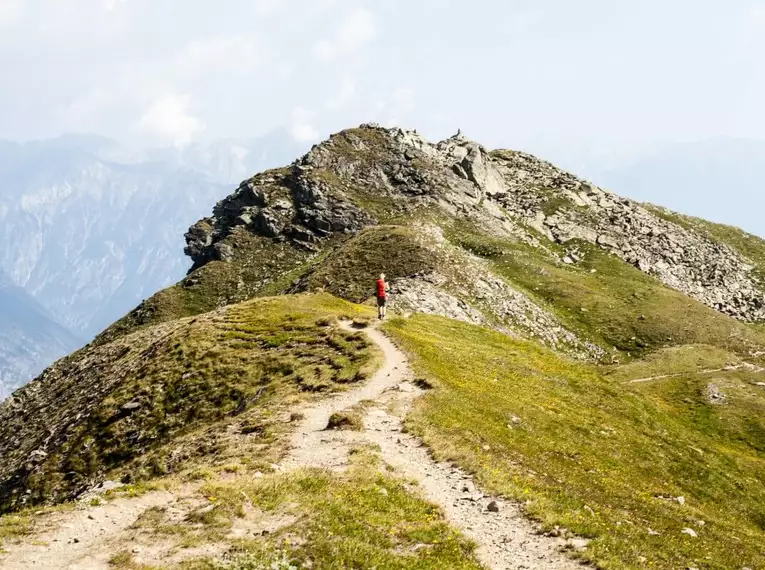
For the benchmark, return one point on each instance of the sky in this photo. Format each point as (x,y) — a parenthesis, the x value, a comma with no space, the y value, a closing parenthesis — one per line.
(510,73)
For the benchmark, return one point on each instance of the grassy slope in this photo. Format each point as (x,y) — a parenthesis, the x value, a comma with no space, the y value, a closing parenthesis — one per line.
(192,382)
(611,302)
(593,455)
(351,270)
(260,267)
(212,373)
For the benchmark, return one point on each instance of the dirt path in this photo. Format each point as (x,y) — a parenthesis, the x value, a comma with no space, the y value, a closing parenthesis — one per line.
(744,366)
(88,536)
(82,539)
(506,539)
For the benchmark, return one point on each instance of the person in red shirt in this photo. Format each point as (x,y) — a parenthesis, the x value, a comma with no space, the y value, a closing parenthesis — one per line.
(382,296)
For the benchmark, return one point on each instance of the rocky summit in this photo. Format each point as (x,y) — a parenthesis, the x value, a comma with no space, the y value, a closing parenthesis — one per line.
(371,175)
(598,359)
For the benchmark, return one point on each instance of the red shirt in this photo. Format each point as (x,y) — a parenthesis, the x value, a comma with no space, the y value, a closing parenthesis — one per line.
(381,288)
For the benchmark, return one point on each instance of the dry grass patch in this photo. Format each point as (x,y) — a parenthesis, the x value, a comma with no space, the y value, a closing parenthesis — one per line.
(346,420)
(185,399)
(358,519)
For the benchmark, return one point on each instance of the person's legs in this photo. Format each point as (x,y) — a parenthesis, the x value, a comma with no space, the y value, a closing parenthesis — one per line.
(380,307)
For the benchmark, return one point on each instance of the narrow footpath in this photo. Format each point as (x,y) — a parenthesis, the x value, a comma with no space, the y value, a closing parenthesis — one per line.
(86,537)
(506,539)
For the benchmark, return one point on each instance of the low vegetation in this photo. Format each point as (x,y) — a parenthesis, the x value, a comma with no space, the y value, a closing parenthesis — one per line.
(322,520)
(609,301)
(350,272)
(346,420)
(212,386)
(19,526)
(656,474)
(14,526)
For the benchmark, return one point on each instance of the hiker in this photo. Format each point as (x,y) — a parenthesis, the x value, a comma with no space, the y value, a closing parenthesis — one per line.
(382,296)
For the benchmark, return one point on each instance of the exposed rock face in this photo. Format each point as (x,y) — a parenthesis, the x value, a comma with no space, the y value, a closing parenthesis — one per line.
(569,209)
(284,205)
(476,295)
(422,294)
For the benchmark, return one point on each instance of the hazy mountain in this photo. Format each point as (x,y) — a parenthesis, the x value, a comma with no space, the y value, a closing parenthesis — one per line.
(89,229)
(230,161)
(718,179)
(29,337)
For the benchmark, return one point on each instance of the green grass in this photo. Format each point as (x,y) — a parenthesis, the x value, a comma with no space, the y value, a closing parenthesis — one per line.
(738,421)
(674,360)
(611,302)
(360,519)
(350,271)
(346,420)
(590,454)
(260,267)
(13,527)
(124,561)
(17,526)
(163,402)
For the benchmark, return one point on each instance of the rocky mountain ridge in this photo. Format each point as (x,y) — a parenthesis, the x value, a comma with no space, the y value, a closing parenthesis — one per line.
(436,218)
(516,194)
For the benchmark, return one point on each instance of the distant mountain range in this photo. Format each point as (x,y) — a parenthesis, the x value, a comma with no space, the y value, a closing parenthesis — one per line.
(89,229)
(29,337)
(720,179)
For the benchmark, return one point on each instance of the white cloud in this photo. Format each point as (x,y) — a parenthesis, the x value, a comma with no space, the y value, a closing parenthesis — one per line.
(264,7)
(403,99)
(284,71)
(236,54)
(168,118)
(303,132)
(301,129)
(346,93)
(523,21)
(357,29)
(149,89)
(110,5)
(395,109)
(11,12)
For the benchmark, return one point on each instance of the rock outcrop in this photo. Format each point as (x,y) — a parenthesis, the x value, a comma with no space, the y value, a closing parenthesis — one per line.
(564,208)
(283,205)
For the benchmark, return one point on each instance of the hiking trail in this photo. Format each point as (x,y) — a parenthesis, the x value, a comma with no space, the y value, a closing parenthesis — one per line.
(505,539)
(89,535)
(732,368)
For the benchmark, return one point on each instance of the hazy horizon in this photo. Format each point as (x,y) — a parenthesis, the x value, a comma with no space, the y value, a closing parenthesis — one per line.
(517,74)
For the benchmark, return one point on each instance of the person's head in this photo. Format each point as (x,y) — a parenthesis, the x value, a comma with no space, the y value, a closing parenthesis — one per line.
(382,276)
